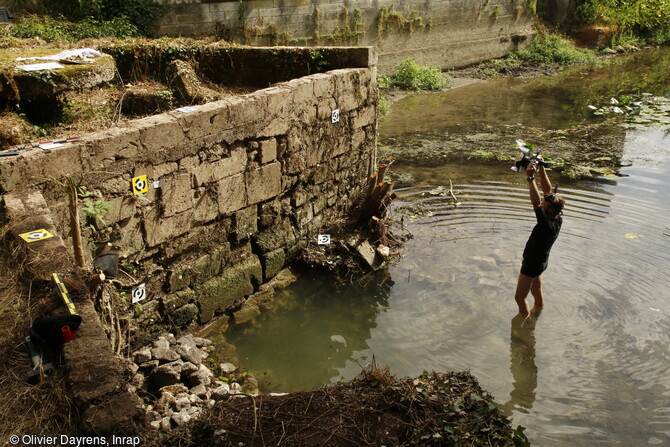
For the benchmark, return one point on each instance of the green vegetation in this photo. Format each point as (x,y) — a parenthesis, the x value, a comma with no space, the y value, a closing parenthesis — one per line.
(412,76)
(546,50)
(384,105)
(78,19)
(390,19)
(50,29)
(645,19)
(494,67)
(552,49)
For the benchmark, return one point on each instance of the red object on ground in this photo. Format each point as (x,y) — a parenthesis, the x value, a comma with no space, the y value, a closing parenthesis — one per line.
(66,333)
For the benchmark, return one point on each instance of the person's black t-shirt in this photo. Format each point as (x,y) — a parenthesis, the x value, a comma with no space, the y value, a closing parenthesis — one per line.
(542,238)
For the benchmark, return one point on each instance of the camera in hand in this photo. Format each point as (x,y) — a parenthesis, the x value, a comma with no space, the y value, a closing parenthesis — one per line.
(527,158)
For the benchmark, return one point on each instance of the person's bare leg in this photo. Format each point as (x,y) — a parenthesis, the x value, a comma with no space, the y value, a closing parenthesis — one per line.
(536,291)
(522,288)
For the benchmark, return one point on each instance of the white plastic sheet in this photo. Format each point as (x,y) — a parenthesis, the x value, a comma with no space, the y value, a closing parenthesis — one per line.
(78,54)
(38,67)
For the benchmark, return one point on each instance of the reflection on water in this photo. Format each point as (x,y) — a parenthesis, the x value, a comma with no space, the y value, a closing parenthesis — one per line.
(592,370)
(522,365)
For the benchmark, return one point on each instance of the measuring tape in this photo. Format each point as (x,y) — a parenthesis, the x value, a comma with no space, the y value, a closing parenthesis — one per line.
(64,294)
(14,150)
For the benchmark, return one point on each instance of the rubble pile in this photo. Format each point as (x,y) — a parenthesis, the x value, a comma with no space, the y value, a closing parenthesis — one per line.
(175,384)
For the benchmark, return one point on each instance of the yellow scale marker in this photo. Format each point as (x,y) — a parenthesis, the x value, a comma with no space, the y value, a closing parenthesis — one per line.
(62,291)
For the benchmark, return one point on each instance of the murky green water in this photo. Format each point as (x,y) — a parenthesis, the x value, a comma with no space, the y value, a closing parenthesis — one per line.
(593,370)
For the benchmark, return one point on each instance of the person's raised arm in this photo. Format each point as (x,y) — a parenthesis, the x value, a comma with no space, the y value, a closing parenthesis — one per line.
(535,197)
(544,180)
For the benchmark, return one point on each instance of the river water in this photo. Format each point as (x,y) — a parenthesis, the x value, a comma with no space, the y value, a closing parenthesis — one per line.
(592,369)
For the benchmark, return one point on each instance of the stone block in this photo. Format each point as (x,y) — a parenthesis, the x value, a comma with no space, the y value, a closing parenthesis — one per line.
(317,153)
(273,262)
(215,328)
(319,204)
(167,374)
(277,236)
(219,294)
(269,213)
(274,127)
(323,85)
(176,300)
(263,183)
(162,169)
(198,124)
(365,116)
(131,236)
(348,98)
(246,314)
(116,413)
(232,194)
(206,207)
(248,109)
(159,229)
(208,172)
(109,146)
(159,132)
(114,185)
(246,222)
(304,215)
(192,272)
(268,149)
(323,172)
(279,100)
(303,92)
(295,157)
(190,163)
(176,194)
(357,139)
(181,278)
(325,109)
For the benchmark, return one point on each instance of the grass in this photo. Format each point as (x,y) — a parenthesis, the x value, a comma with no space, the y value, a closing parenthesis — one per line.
(384,105)
(412,76)
(547,50)
(553,49)
(53,30)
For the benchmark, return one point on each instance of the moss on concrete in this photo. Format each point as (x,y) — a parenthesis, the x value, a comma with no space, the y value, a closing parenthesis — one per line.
(273,262)
(70,77)
(276,236)
(221,293)
(184,316)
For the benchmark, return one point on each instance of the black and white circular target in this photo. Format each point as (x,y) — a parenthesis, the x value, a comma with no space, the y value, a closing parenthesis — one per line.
(140,185)
(139,293)
(36,235)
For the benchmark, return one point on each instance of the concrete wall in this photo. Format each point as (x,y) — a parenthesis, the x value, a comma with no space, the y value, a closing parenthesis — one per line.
(448,33)
(242,184)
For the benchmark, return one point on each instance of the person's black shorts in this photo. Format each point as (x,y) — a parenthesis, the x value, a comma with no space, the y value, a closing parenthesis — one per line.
(533,269)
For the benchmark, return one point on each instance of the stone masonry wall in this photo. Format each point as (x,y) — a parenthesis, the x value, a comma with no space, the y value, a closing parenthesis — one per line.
(236,187)
(447,33)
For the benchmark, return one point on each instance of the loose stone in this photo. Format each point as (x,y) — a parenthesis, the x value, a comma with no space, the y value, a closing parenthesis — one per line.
(227,368)
(174,368)
(142,356)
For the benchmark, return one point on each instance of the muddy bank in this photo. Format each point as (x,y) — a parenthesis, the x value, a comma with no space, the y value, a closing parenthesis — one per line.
(586,151)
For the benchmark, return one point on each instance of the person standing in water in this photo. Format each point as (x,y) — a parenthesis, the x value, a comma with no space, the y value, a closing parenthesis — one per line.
(548,209)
